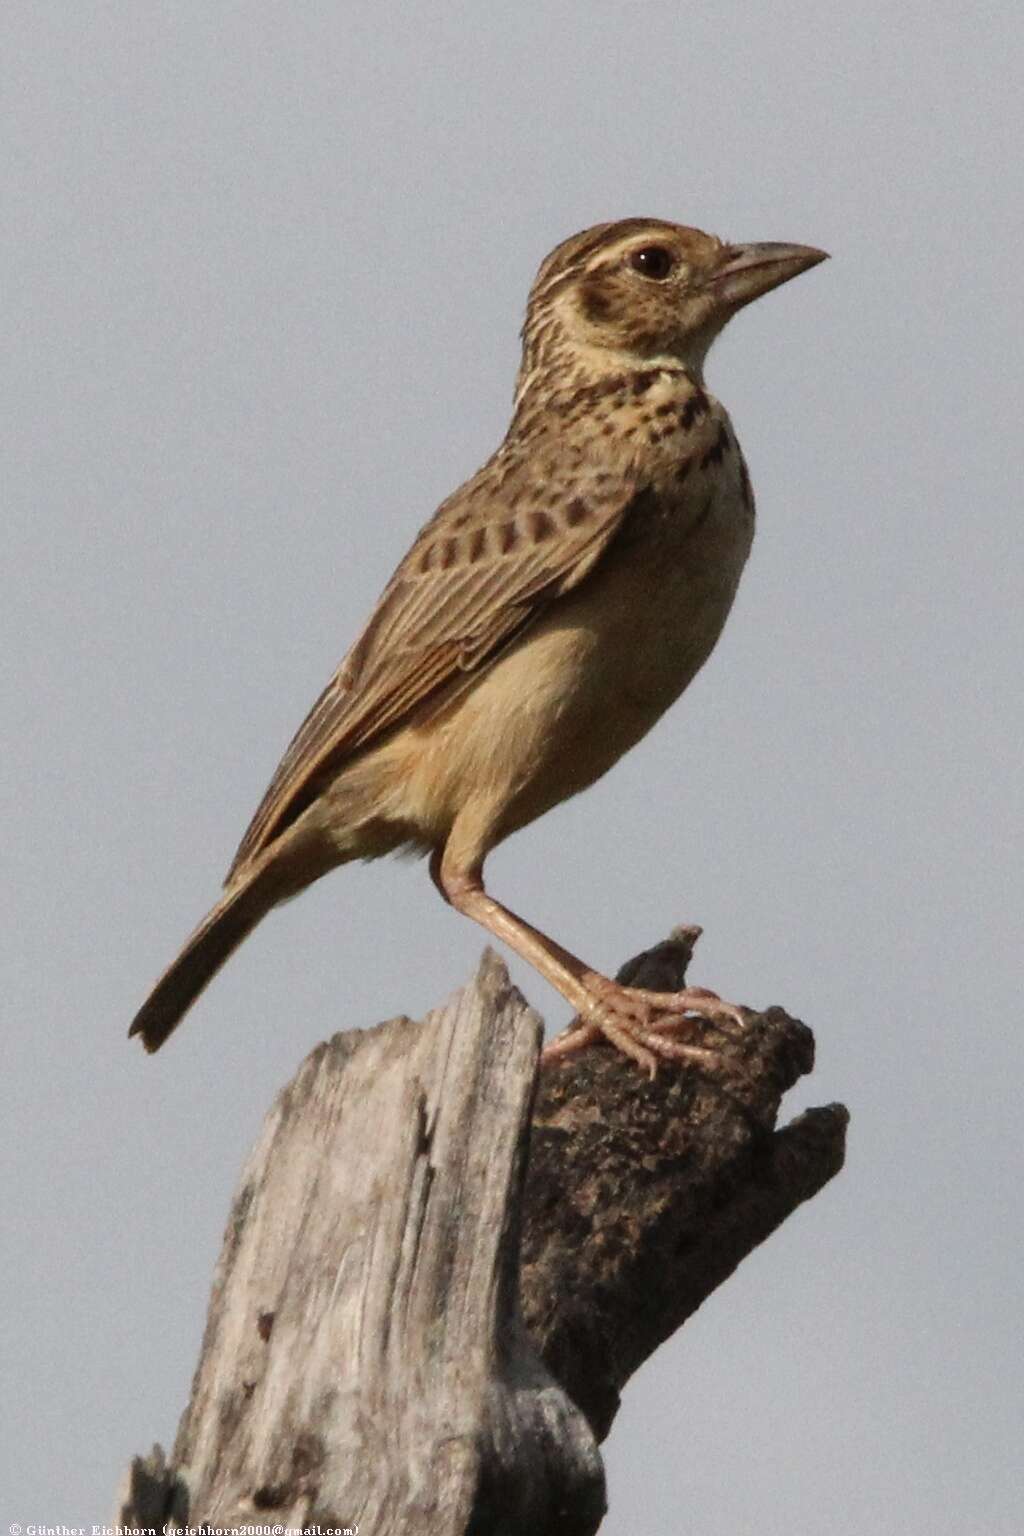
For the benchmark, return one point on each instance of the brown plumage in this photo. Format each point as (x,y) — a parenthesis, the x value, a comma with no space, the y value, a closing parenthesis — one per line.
(543,619)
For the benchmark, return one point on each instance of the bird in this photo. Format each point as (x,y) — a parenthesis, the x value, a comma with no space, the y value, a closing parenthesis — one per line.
(542,621)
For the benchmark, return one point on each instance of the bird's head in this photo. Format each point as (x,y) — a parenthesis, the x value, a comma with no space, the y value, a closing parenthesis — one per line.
(642,291)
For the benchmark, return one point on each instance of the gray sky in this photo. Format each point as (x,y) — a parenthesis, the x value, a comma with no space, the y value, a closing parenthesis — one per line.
(263,271)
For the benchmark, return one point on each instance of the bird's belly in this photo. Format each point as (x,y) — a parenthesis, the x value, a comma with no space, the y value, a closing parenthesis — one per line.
(657,608)
(582,686)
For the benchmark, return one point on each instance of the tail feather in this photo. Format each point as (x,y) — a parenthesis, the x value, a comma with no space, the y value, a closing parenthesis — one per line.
(217,937)
(358,828)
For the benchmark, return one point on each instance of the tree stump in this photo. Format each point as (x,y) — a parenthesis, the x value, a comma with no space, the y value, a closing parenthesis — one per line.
(432,1289)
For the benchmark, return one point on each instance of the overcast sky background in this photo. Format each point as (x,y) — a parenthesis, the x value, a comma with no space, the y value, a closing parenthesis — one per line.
(263,269)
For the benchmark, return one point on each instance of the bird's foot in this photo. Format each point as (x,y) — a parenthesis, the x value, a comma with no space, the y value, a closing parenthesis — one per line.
(646,1025)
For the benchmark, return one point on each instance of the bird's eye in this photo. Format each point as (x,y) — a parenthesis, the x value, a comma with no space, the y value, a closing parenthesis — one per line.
(652,261)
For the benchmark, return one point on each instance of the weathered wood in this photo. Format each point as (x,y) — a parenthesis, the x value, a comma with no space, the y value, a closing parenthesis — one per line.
(361,1362)
(365,1358)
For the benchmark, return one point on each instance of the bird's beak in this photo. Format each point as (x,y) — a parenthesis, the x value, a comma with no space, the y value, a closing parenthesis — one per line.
(745,272)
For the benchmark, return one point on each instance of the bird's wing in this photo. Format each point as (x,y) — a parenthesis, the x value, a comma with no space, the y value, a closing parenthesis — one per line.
(492,557)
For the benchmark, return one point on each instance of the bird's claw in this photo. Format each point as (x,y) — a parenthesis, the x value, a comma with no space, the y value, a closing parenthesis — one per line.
(642,1024)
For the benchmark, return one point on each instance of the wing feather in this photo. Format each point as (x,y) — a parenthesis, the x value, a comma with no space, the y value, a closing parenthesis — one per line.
(492,558)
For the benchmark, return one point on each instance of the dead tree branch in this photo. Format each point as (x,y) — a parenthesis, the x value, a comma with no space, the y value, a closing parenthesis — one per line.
(411,1332)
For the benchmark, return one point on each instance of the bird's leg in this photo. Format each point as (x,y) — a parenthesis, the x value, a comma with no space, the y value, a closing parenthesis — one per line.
(639,1022)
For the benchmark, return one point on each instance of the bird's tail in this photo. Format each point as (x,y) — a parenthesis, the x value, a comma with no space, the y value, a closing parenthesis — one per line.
(248,899)
(360,828)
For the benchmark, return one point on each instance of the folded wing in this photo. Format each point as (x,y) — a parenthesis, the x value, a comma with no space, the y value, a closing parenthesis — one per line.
(494,556)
